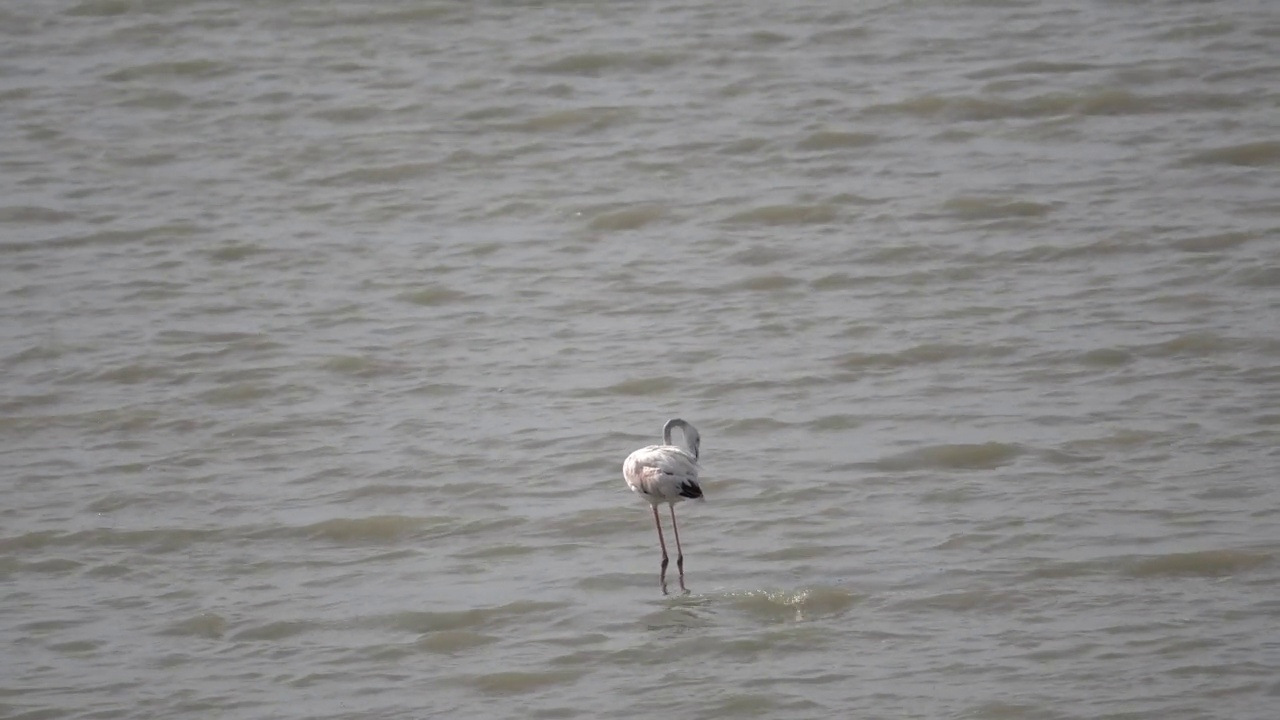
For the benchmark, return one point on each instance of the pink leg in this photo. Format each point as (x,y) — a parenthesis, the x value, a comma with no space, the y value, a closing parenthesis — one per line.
(679,551)
(663,543)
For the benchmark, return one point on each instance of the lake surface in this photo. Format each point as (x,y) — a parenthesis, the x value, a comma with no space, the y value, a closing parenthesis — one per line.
(327,326)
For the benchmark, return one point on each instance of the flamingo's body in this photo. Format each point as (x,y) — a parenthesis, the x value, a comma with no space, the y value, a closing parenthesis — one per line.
(668,474)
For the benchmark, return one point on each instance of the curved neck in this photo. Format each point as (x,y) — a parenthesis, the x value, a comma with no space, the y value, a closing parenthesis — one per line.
(687,431)
(673,423)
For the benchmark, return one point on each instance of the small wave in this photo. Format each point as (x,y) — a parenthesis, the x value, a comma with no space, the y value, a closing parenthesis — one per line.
(349,115)
(982,456)
(975,208)
(512,682)
(1192,344)
(600,62)
(984,599)
(434,295)
(1207,563)
(131,374)
(242,340)
(156,541)
(961,540)
(23,214)
(842,35)
(1001,710)
(237,394)
(772,641)
(380,490)
(799,552)
(1214,243)
(28,541)
(836,423)
(1105,357)
(1063,457)
(109,570)
(1123,438)
(363,15)
(490,112)
(150,100)
(100,8)
(1256,154)
(924,354)
(435,389)
(773,215)
(745,146)
(722,389)
(759,256)
(105,238)
(1086,103)
(1048,569)
(15,404)
(1051,253)
(841,281)
(754,425)
(899,254)
(630,218)
(114,501)
(52,566)
(388,174)
(471,619)
(1032,67)
(577,119)
(1259,277)
(637,388)
(76,646)
(452,641)
(347,364)
(186,69)
(492,552)
(765,283)
(832,140)
(205,625)
(365,367)
(589,524)
(275,630)
(767,37)
(38,353)
(793,605)
(164,101)
(376,530)
(234,251)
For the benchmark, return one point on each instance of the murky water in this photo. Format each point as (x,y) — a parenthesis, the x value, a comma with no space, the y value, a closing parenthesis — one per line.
(326,328)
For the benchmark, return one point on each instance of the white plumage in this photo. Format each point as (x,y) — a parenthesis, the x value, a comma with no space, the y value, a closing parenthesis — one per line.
(667,473)
(662,473)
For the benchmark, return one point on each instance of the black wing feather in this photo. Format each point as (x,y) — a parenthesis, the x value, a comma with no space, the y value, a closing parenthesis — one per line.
(690,490)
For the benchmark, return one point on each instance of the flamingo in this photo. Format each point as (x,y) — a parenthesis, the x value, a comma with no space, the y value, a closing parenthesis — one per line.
(668,474)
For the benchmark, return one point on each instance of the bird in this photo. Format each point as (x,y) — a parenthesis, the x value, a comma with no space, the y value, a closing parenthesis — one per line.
(667,473)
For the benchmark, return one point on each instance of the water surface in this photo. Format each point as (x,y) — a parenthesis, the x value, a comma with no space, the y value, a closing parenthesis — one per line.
(326,328)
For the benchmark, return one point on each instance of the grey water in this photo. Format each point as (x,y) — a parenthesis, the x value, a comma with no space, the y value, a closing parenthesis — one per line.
(326,328)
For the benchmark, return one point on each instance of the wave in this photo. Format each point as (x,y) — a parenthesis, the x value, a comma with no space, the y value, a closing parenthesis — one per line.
(807,603)
(1205,563)
(923,354)
(775,215)
(471,619)
(982,456)
(1254,154)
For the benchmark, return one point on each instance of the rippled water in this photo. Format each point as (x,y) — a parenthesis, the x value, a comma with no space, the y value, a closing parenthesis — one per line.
(327,327)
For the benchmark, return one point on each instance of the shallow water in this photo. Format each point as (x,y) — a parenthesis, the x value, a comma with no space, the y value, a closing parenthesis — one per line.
(327,327)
